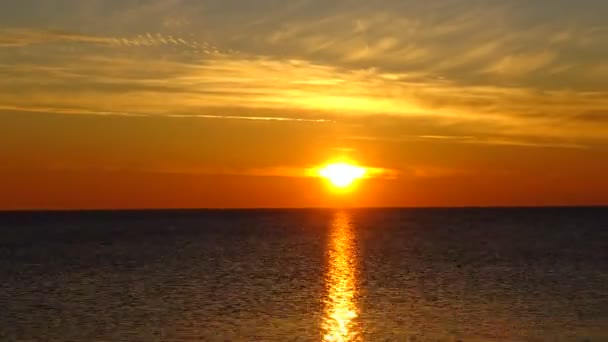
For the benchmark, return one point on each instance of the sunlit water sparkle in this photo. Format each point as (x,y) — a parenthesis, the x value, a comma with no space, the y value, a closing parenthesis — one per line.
(340,304)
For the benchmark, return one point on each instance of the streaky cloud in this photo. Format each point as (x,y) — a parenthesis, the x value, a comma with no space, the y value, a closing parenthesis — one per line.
(79,111)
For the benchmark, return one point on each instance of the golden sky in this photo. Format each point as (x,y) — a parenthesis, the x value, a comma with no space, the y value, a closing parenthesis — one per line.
(226,103)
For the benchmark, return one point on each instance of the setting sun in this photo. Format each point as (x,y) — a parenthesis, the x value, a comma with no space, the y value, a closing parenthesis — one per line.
(341,175)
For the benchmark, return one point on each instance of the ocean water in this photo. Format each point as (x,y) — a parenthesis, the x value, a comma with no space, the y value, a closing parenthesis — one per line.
(305,275)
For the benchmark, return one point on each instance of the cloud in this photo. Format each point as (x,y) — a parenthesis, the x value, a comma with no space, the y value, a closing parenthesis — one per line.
(20,37)
(507,140)
(493,69)
(82,111)
(599,116)
(435,172)
(521,64)
(13,37)
(274,171)
(195,86)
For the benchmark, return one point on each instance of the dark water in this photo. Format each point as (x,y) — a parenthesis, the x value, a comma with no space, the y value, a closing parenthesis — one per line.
(306,275)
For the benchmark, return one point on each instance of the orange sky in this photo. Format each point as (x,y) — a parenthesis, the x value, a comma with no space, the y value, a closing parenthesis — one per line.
(121,104)
(97,163)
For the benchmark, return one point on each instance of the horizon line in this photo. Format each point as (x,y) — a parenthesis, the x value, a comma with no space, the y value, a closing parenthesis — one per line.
(552,206)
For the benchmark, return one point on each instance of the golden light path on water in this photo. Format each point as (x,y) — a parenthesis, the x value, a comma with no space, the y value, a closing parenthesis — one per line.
(341,311)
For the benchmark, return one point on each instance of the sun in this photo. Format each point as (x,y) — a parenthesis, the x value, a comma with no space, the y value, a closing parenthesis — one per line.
(342,175)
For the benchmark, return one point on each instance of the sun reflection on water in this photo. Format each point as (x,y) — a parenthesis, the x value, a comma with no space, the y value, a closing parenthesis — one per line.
(339,321)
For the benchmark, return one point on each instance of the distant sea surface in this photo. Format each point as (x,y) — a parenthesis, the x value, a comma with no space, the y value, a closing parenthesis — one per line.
(305,275)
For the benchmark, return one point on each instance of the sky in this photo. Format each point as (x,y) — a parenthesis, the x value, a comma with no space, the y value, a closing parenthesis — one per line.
(226,103)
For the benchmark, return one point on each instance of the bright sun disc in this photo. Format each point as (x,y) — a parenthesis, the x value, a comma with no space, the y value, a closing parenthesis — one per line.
(341,175)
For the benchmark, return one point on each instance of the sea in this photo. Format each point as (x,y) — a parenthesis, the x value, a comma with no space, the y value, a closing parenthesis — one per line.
(462,274)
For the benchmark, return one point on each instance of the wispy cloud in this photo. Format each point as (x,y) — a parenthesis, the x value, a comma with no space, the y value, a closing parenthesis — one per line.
(507,140)
(521,64)
(189,87)
(498,140)
(502,71)
(21,37)
(83,111)
(12,37)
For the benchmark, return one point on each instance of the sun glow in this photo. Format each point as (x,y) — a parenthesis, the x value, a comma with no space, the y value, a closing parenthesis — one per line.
(342,175)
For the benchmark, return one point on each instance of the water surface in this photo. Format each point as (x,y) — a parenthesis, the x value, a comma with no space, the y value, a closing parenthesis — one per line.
(306,275)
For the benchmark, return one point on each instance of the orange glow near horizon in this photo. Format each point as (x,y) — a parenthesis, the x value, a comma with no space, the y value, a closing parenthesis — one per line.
(342,175)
